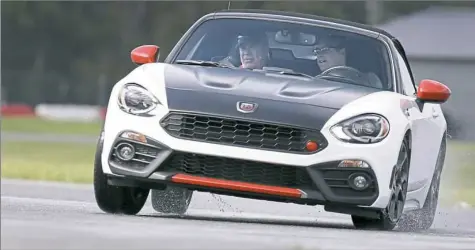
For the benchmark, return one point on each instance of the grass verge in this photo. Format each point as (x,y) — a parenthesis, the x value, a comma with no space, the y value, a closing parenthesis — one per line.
(66,162)
(459,174)
(42,126)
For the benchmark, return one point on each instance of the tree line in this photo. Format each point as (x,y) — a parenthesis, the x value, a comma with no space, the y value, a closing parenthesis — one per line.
(74,51)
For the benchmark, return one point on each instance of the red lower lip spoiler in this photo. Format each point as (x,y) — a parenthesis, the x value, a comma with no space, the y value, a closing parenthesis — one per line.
(236,185)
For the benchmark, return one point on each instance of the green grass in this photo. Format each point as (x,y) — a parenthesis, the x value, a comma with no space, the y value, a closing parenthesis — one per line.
(458,180)
(64,162)
(461,157)
(37,125)
(453,196)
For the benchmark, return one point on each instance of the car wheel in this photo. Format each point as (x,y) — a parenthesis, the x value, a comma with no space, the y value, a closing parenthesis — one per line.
(134,199)
(423,218)
(390,216)
(172,200)
(114,199)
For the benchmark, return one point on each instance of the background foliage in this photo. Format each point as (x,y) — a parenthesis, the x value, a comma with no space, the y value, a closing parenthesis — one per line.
(73,52)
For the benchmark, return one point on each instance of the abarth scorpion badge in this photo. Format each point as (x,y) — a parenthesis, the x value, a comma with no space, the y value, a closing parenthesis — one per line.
(246,107)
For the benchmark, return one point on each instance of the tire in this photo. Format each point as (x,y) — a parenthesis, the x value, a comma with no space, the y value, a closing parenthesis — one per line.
(172,200)
(114,199)
(391,215)
(423,218)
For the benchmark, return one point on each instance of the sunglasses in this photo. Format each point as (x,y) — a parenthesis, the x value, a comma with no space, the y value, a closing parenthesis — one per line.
(324,50)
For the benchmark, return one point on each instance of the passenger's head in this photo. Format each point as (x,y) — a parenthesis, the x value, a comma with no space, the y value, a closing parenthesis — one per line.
(253,50)
(330,52)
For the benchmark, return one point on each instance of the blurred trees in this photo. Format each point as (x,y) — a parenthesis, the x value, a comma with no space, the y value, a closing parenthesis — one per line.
(73,52)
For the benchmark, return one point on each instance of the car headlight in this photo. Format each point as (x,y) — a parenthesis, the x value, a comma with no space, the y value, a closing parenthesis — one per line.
(369,128)
(135,99)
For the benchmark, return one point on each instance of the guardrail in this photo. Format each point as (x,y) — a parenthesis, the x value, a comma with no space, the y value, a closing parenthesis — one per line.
(60,112)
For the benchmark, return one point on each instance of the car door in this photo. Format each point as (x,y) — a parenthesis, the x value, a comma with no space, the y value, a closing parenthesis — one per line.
(435,128)
(422,126)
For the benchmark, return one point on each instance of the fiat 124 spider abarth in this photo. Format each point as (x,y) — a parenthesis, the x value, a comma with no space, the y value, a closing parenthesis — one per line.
(280,107)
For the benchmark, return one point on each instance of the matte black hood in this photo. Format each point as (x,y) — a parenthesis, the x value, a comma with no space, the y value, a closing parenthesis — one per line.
(281,99)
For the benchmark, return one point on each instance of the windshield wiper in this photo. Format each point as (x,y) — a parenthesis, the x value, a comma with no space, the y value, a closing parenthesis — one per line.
(293,73)
(201,63)
(283,71)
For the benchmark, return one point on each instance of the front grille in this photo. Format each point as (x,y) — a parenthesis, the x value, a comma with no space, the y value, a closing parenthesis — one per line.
(243,133)
(238,170)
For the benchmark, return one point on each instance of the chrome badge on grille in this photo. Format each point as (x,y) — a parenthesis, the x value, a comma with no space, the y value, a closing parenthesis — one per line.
(246,107)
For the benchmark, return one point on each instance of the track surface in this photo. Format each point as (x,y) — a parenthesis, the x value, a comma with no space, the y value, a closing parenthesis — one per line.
(62,216)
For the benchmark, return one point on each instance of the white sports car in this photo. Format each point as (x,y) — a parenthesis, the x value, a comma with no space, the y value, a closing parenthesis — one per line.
(281,107)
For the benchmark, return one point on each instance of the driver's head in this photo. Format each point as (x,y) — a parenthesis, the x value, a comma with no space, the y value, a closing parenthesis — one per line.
(330,52)
(253,50)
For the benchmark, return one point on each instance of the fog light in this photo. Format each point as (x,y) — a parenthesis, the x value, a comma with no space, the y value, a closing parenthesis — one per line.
(125,151)
(359,181)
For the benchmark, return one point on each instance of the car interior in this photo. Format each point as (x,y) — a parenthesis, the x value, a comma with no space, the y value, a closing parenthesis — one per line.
(364,54)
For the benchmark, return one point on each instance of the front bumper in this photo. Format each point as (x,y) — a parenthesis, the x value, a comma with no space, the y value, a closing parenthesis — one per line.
(255,173)
(320,183)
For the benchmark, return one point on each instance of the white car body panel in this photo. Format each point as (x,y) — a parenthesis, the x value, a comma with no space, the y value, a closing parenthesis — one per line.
(426,136)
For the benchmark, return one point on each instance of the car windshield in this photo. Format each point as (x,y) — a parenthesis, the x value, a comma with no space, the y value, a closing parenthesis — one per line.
(286,48)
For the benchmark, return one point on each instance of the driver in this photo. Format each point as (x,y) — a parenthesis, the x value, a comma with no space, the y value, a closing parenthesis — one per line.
(330,52)
(253,51)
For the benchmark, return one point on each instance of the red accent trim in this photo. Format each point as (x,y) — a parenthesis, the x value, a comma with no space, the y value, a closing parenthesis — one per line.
(144,54)
(236,185)
(430,90)
(312,146)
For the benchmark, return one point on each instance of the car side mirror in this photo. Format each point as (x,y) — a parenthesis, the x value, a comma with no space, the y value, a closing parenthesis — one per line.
(432,91)
(145,54)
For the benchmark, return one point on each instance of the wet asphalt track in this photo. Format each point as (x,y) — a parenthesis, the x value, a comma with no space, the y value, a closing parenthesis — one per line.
(63,216)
